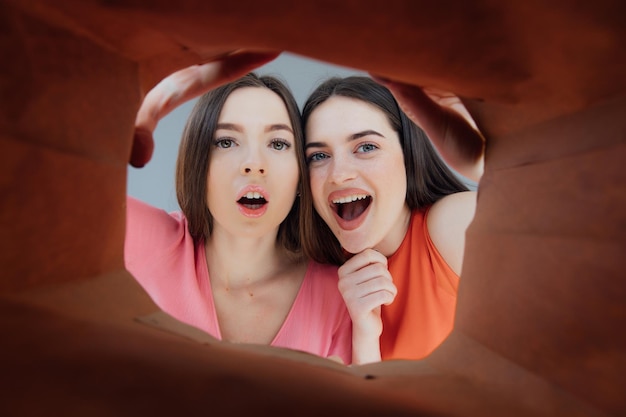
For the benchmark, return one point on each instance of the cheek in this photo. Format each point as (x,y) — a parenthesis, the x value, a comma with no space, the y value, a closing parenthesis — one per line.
(396,171)
(316,179)
(211,191)
(399,174)
(398,184)
(215,183)
(288,173)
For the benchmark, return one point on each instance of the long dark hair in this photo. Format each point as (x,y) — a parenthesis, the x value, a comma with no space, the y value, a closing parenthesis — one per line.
(428,177)
(192,165)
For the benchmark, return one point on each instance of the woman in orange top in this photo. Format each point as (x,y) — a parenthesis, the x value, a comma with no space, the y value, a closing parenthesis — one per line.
(389,210)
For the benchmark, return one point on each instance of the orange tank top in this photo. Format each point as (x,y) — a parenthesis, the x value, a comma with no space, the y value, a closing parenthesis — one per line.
(422,315)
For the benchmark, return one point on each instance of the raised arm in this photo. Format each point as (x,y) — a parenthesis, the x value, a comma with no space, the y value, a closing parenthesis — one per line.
(446,122)
(182,86)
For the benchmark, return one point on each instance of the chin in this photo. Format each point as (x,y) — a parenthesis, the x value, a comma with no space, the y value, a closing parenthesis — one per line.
(353,246)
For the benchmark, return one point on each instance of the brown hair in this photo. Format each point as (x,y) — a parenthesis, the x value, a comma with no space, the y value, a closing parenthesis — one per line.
(428,177)
(192,165)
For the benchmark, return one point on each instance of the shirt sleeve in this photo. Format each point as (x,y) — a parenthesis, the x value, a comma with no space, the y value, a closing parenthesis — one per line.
(152,237)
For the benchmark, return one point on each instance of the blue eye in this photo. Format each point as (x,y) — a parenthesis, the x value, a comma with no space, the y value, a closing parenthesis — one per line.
(316,157)
(224,143)
(367,147)
(280,144)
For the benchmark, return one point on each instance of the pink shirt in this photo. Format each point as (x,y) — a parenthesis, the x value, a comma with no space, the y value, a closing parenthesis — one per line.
(173,270)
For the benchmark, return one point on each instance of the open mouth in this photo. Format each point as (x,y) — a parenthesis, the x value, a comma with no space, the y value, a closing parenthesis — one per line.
(351,207)
(252,200)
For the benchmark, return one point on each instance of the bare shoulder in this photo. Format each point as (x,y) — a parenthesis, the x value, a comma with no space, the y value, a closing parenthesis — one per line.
(447,222)
(457,207)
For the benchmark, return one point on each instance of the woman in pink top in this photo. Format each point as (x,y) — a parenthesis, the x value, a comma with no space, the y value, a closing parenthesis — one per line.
(231,262)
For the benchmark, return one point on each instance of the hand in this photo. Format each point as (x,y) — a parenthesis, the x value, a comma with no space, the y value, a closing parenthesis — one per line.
(446,122)
(366,284)
(182,86)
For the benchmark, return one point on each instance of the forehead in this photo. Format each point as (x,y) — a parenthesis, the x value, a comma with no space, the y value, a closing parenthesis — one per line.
(258,104)
(344,116)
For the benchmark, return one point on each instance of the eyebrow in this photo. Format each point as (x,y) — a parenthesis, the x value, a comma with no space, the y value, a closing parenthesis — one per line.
(352,137)
(270,128)
(228,126)
(279,126)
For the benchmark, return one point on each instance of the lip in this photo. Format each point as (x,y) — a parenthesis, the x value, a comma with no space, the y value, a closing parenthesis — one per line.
(249,212)
(254,189)
(348,224)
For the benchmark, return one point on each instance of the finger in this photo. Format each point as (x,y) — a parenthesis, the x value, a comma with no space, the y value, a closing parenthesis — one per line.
(363,286)
(375,285)
(143,146)
(382,298)
(372,301)
(351,282)
(364,274)
(363,259)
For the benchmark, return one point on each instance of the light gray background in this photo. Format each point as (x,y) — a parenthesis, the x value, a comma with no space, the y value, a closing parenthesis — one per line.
(154,183)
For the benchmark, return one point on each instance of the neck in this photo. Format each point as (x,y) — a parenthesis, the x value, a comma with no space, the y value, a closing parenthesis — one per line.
(392,241)
(237,263)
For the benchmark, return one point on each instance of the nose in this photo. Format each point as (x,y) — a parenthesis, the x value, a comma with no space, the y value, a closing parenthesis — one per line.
(341,171)
(254,163)
(248,170)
